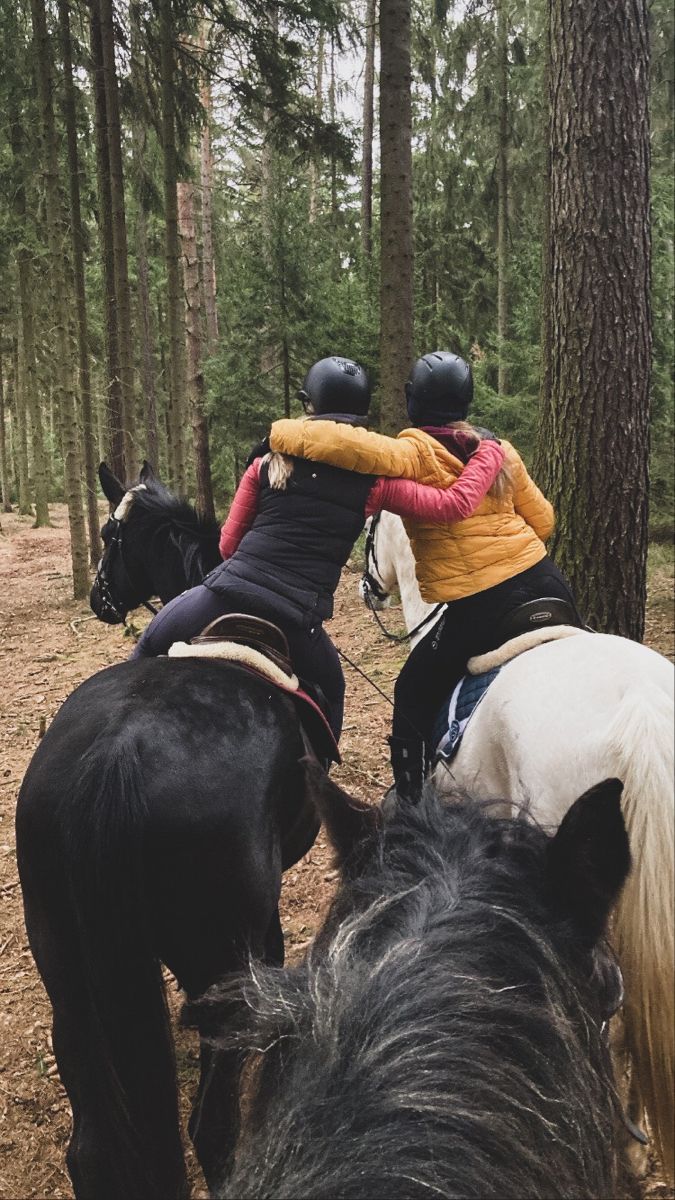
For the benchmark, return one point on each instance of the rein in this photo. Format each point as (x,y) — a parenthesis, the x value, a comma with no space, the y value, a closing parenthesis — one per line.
(372,590)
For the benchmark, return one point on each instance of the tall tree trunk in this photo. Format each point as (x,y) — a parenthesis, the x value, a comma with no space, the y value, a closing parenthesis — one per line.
(368,122)
(114,415)
(17,408)
(174,299)
(396,272)
(594,433)
(318,108)
(119,234)
(206,178)
(26,292)
(62,348)
(502,196)
(147,351)
(88,436)
(200,431)
(5,490)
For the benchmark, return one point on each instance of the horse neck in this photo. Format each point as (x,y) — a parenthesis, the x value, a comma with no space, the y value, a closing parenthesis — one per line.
(415,609)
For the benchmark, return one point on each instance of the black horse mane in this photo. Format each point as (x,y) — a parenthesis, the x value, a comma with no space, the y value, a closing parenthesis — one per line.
(442,1038)
(156,510)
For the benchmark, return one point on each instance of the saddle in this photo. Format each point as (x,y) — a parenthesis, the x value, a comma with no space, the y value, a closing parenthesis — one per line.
(529,625)
(261,647)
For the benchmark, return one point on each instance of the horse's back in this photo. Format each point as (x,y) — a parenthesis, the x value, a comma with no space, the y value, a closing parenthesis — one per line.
(548,726)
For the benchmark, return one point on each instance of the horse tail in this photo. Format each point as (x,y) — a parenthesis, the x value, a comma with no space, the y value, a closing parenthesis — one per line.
(130,1042)
(641,740)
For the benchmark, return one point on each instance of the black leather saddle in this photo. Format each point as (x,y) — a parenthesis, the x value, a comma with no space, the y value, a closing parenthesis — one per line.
(537,614)
(246,630)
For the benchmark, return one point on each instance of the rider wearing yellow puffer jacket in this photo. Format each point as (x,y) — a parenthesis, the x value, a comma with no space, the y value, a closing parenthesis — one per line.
(483,567)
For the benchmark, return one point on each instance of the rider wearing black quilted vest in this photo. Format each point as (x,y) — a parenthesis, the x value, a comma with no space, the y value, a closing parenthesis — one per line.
(292,526)
(482,567)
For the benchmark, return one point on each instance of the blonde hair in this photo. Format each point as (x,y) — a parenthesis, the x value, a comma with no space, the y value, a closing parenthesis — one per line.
(279,470)
(504,484)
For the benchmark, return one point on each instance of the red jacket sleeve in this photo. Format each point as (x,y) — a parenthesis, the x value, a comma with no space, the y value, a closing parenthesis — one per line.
(242,510)
(440,506)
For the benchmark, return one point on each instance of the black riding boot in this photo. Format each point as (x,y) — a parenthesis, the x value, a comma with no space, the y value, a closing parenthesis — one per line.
(407,764)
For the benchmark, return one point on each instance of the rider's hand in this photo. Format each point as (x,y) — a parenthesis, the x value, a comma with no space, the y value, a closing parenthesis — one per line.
(259,450)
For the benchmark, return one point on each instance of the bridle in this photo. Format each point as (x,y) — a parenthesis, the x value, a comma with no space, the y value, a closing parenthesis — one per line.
(372,589)
(108,602)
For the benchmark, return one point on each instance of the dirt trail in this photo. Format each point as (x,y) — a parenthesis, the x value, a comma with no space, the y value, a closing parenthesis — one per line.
(48,645)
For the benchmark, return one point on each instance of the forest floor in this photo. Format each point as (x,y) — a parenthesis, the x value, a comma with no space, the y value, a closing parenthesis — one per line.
(48,645)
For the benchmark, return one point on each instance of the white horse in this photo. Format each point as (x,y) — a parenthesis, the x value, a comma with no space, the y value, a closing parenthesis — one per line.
(555,721)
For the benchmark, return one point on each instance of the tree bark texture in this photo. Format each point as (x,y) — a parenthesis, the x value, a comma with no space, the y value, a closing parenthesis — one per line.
(368,123)
(17,406)
(314,173)
(200,430)
(119,234)
(174,299)
(67,402)
(26,285)
(396,278)
(114,416)
(206,178)
(4,466)
(594,432)
(502,197)
(89,447)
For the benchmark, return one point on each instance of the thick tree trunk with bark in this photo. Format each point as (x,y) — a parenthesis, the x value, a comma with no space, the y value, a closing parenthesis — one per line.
(89,447)
(594,432)
(396,271)
(62,349)
(119,234)
(502,197)
(368,123)
(174,300)
(114,416)
(200,431)
(17,409)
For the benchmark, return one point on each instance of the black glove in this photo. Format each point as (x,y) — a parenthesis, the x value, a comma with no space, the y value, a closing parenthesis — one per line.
(261,448)
(486,435)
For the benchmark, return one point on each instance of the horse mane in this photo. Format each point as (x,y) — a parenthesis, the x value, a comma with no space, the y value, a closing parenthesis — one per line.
(441,1038)
(195,537)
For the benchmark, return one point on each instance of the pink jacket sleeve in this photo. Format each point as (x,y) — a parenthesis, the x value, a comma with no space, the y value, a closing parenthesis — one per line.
(242,510)
(440,506)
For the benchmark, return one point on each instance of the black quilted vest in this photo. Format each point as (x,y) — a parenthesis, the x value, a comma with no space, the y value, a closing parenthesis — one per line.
(287,566)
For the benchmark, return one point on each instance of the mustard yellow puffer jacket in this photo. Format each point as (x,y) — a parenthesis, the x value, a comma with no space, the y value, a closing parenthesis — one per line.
(501,539)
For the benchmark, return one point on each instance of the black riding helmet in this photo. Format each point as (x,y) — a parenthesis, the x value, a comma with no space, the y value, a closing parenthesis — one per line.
(336,385)
(439,389)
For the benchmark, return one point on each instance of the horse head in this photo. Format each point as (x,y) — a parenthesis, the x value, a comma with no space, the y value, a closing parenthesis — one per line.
(154,545)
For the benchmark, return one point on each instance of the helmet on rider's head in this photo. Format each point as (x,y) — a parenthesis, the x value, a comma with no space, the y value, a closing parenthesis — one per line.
(439,389)
(336,385)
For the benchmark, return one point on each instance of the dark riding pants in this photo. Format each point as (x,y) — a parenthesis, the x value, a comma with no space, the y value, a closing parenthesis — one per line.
(468,626)
(313,655)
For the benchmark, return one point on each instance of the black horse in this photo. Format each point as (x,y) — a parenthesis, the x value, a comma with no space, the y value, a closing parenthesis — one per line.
(153,826)
(447,1034)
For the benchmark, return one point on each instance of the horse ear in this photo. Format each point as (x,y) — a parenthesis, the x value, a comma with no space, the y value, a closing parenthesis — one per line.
(349,822)
(147,473)
(112,488)
(589,858)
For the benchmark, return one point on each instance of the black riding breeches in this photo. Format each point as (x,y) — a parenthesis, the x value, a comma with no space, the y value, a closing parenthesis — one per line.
(468,626)
(313,655)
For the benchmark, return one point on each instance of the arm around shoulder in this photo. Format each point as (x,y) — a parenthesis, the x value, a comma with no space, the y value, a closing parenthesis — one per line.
(348,446)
